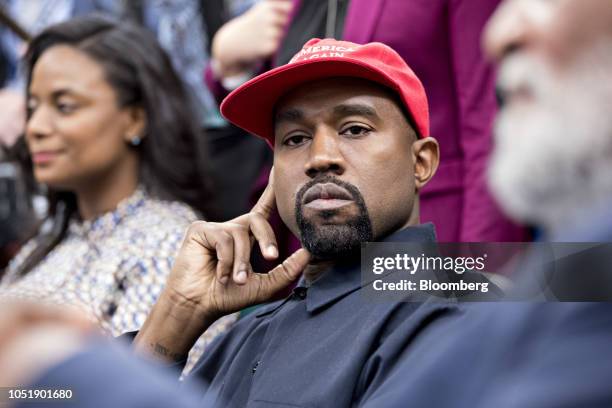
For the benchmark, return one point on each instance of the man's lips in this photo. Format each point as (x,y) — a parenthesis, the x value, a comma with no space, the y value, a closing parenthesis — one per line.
(326,196)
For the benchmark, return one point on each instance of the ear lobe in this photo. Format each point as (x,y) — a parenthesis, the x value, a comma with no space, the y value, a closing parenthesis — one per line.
(137,124)
(426,157)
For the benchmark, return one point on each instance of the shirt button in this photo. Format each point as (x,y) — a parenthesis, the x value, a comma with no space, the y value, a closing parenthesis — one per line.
(254,369)
(300,292)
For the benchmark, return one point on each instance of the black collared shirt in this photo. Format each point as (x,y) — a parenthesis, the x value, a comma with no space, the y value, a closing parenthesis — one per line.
(323,346)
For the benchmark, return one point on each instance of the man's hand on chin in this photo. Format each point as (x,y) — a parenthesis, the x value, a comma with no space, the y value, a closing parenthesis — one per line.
(212,277)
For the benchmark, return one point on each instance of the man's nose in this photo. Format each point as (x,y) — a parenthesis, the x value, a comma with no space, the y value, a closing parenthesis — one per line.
(38,124)
(325,155)
(514,25)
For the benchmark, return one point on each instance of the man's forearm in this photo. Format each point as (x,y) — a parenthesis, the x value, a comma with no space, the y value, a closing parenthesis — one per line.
(171,329)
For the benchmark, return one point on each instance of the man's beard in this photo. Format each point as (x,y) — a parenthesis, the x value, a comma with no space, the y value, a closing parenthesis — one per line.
(334,240)
(553,155)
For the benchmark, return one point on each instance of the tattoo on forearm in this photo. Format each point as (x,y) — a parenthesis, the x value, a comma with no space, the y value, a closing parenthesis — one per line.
(160,350)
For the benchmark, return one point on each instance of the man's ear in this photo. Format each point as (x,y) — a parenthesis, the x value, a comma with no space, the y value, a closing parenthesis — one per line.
(426,157)
(137,123)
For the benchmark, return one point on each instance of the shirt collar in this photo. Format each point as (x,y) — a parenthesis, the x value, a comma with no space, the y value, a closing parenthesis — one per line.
(105,223)
(346,278)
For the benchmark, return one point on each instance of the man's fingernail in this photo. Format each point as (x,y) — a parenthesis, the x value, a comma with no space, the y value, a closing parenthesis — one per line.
(241,276)
(223,280)
(272,251)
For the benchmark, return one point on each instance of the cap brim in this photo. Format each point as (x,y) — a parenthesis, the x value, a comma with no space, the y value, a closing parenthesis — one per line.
(251,106)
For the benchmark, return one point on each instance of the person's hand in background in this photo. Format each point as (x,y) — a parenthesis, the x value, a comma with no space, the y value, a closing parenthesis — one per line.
(248,39)
(12,116)
(34,337)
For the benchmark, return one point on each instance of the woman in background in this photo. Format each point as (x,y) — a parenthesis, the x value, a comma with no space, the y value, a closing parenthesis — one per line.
(110,134)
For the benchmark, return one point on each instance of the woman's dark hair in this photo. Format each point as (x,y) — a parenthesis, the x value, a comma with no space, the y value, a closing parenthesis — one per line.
(140,72)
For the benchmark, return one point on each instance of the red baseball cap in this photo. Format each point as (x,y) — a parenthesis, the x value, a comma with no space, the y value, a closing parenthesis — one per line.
(251,106)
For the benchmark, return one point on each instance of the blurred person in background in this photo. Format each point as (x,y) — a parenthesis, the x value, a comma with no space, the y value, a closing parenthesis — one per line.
(3,67)
(552,166)
(440,40)
(18,220)
(111,135)
(19,20)
(185,29)
(556,84)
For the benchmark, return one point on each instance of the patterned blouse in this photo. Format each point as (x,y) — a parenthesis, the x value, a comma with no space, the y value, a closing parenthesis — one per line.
(112,267)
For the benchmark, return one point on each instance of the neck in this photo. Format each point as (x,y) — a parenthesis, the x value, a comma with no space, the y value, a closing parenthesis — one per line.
(414,217)
(104,194)
(315,269)
(317,266)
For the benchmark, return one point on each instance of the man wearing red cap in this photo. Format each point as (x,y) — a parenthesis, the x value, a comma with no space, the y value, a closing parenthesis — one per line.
(439,39)
(350,132)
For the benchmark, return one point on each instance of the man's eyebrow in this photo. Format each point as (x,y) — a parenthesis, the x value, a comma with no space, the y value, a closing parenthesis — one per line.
(355,109)
(296,115)
(289,115)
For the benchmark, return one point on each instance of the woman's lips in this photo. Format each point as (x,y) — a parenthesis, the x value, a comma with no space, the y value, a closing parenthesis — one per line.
(44,157)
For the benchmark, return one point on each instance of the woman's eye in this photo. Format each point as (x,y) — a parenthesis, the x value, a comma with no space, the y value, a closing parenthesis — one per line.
(295,140)
(355,130)
(66,107)
(30,108)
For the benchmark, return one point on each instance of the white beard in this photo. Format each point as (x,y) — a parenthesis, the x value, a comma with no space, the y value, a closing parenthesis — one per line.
(552,163)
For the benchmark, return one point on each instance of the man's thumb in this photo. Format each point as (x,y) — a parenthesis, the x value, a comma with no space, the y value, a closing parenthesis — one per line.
(283,275)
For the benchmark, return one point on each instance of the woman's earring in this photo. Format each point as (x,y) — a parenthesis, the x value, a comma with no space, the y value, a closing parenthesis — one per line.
(135,141)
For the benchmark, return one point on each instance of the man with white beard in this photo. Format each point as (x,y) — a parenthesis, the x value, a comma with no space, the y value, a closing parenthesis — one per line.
(552,166)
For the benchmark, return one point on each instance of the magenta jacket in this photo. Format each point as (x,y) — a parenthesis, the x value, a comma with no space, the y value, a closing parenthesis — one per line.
(440,40)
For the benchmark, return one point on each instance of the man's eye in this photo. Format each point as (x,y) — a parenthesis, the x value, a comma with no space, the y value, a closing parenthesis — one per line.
(355,130)
(295,140)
